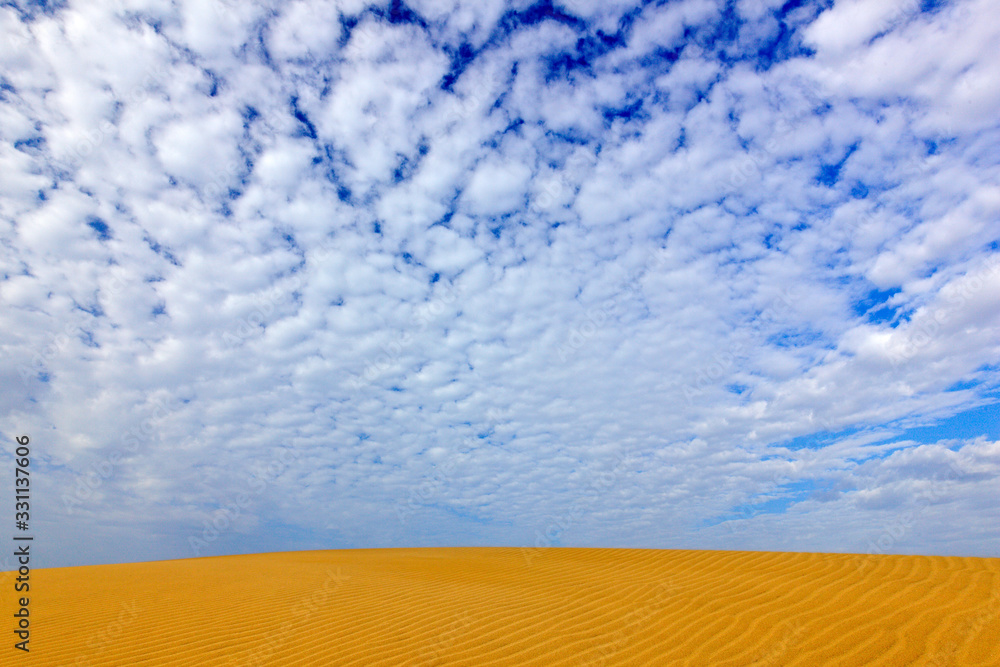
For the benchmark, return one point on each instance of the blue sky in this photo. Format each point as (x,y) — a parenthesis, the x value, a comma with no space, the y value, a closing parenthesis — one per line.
(332,275)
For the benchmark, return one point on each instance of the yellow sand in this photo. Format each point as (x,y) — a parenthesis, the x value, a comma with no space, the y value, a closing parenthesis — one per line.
(516,607)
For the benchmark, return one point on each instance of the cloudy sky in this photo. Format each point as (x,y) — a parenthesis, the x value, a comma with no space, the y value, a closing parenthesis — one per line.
(682,274)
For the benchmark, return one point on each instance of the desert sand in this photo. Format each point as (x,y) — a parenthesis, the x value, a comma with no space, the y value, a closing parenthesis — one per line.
(510,606)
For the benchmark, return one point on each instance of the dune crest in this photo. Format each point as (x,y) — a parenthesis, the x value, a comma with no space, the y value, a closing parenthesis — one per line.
(510,606)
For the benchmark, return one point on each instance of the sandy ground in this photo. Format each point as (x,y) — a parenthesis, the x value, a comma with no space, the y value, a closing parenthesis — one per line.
(497,606)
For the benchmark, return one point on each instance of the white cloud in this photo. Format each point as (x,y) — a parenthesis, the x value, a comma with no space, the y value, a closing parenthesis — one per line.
(202,149)
(496,188)
(306,29)
(851,23)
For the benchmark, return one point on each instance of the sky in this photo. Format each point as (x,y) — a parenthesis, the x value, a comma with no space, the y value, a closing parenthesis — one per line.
(595,273)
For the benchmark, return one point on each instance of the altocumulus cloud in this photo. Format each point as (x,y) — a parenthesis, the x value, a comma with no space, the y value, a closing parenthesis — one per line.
(330,274)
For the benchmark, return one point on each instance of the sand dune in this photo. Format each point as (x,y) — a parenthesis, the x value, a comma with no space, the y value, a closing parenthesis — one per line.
(498,606)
